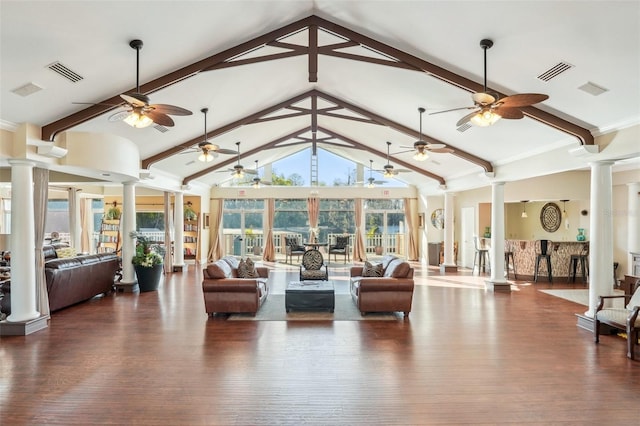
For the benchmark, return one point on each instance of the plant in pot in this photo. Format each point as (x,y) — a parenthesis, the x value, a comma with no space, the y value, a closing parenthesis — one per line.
(147,262)
(114,212)
(189,213)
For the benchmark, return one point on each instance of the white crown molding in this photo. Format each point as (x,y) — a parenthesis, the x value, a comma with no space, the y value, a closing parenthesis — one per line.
(8,125)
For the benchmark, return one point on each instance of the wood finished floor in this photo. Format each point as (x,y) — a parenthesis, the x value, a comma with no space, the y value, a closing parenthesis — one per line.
(465,356)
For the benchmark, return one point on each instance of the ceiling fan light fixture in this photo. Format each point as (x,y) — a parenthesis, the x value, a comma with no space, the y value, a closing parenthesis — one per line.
(485,118)
(138,120)
(205,157)
(420,155)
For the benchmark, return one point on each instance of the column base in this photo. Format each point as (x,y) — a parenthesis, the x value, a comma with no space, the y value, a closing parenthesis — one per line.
(126,287)
(23,328)
(448,268)
(504,286)
(180,268)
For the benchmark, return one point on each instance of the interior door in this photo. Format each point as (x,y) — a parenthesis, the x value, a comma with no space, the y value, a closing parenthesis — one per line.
(467,249)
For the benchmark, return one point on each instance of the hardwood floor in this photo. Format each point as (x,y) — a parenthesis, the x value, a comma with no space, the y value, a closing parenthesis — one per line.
(465,356)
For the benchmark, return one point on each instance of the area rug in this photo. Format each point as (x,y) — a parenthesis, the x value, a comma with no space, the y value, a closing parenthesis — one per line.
(345,310)
(580,296)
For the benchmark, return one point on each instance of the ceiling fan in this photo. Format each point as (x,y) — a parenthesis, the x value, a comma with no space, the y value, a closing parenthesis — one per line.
(256,182)
(208,151)
(140,113)
(238,170)
(487,108)
(388,169)
(371,181)
(421,147)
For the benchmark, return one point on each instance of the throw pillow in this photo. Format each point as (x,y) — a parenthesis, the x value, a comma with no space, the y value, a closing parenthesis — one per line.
(66,252)
(372,269)
(219,269)
(247,269)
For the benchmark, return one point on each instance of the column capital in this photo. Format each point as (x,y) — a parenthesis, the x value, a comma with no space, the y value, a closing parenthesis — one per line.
(22,162)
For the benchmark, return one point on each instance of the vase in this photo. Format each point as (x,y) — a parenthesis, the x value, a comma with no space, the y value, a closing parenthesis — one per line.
(148,278)
(581,236)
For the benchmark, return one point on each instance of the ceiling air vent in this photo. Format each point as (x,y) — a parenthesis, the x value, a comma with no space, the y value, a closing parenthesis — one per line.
(27,89)
(64,71)
(555,71)
(593,89)
(466,126)
(160,128)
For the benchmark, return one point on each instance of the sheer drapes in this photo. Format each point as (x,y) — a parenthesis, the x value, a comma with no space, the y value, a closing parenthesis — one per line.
(410,221)
(216,251)
(168,227)
(269,249)
(313,206)
(359,252)
(86,226)
(40,198)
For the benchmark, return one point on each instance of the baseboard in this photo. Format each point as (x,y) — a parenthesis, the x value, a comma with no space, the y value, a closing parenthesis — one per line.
(23,328)
(448,268)
(586,323)
(504,287)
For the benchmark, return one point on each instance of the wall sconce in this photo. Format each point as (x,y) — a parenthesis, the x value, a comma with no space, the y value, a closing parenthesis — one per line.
(524,210)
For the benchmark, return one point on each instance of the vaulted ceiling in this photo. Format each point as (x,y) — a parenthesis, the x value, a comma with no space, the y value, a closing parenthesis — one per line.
(344,76)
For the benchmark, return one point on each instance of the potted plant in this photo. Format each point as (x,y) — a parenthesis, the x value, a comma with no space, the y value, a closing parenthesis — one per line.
(147,262)
(114,212)
(189,213)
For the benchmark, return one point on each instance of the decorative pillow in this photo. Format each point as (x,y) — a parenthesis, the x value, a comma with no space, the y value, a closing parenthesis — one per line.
(232,261)
(372,269)
(247,269)
(219,269)
(66,252)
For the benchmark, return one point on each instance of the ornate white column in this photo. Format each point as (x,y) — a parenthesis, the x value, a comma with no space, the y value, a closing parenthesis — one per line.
(600,234)
(633,223)
(178,214)
(497,282)
(23,257)
(449,264)
(129,282)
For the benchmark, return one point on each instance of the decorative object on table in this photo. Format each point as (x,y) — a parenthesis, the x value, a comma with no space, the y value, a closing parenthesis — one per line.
(581,235)
(147,262)
(114,212)
(437,218)
(487,232)
(550,217)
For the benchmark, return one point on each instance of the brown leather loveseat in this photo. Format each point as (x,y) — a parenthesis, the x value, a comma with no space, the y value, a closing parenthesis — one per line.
(392,291)
(225,292)
(76,279)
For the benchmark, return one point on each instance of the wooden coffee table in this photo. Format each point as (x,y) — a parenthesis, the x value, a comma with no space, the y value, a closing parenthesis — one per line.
(310,296)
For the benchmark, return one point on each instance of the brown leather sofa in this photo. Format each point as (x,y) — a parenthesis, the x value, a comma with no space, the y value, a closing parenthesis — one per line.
(76,279)
(225,292)
(391,292)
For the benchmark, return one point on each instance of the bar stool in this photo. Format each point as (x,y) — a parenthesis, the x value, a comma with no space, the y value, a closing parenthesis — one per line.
(542,250)
(509,256)
(480,257)
(581,259)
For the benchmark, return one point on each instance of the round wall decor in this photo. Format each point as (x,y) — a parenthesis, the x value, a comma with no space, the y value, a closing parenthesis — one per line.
(550,217)
(437,218)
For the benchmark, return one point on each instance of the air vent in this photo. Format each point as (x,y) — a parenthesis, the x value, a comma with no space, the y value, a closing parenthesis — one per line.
(27,89)
(64,71)
(188,163)
(466,126)
(593,89)
(555,71)
(160,128)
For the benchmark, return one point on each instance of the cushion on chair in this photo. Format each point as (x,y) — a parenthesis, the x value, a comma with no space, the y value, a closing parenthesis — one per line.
(313,274)
(386,259)
(372,269)
(219,269)
(247,269)
(615,315)
(232,261)
(635,300)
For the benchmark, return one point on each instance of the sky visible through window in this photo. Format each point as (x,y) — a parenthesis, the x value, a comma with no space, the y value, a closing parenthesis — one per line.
(330,168)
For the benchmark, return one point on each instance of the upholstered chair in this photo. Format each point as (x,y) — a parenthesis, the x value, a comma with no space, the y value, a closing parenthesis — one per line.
(313,266)
(341,247)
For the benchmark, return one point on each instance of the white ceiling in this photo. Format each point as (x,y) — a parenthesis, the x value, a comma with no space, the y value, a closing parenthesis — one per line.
(600,39)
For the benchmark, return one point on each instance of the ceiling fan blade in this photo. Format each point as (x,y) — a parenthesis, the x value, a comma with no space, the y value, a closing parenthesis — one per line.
(483,98)
(225,151)
(160,118)
(402,152)
(452,109)
(135,99)
(170,109)
(434,146)
(522,100)
(466,118)
(442,150)
(250,172)
(402,171)
(509,113)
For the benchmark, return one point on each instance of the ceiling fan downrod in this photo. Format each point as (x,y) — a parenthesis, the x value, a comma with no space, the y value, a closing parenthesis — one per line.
(485,43)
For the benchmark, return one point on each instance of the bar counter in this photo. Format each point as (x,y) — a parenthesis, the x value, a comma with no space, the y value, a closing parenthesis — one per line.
(524,253)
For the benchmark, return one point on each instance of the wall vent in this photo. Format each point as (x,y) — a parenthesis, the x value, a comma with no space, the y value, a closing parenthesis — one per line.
(466,126)
(555,71)
(64,71)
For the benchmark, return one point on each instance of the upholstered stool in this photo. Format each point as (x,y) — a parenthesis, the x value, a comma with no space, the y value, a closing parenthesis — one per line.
(509,257)
(542,249)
